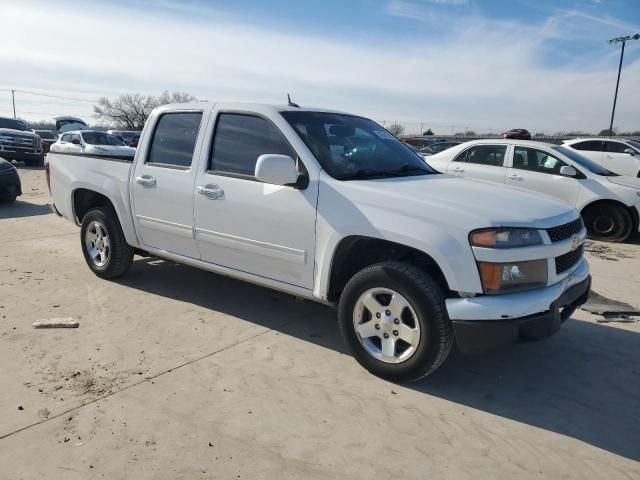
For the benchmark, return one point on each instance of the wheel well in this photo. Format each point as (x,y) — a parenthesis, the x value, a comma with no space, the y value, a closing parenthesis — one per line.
(356,252)
(84,200)
(632,211)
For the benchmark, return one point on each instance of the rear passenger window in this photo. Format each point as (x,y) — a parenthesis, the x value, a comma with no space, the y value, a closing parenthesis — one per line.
(174,139)
(589,146)
(66,138)
(484,154)
(240,139)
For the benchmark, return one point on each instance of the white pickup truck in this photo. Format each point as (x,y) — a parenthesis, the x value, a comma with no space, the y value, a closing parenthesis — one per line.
(331,207)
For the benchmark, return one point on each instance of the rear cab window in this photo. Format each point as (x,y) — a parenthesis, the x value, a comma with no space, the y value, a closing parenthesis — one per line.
(174,140)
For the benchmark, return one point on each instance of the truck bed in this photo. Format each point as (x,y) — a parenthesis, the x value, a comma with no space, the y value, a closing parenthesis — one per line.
(107,175)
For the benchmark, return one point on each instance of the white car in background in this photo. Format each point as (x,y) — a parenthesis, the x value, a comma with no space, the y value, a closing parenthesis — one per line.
(609,203)
(618,155)
(92,142)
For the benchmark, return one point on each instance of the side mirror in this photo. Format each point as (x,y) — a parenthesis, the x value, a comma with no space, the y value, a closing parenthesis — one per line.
(568,171)
(75,141)
(629,151)
(276,169)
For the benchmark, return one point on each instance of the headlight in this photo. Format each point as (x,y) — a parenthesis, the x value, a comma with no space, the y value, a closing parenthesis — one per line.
(505,237)
(512,276)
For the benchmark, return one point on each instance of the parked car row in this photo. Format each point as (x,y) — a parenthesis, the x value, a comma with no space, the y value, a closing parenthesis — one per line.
(609,202)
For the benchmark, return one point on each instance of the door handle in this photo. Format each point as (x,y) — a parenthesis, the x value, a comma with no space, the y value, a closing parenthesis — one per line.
(147,181)
(515,177)
(211,191)
(458,170)
(608,156)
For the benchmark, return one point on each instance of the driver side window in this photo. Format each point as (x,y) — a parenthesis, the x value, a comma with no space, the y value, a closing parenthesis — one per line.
(535,160)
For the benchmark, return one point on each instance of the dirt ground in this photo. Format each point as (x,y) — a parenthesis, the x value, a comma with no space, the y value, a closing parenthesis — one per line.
(178,373)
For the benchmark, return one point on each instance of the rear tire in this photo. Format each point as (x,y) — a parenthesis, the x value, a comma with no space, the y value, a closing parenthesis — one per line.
(422,319)
(8,200)
(104,246)
(608,222)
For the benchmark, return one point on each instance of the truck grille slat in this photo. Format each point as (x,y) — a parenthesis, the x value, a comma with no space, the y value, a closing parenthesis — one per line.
(568,260)
(562,232)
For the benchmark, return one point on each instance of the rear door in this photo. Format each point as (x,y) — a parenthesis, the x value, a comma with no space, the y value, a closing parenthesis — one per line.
(247,225)
(485,162)
(538,170)
(617,160)
(163,183)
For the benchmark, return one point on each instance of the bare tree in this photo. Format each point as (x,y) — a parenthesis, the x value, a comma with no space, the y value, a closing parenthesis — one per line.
(396,129)
(130,111)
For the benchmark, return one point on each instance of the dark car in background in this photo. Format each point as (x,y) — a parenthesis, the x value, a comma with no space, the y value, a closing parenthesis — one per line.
(10,186)
(517,134)
(17,142)
(126,136)
(47,138)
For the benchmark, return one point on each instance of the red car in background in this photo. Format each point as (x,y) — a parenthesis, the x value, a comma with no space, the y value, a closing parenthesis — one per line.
(47,138)
(517,134)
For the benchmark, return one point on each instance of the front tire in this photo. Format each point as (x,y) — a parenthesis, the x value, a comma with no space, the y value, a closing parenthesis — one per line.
(608,222)
(393,318)
(104,246)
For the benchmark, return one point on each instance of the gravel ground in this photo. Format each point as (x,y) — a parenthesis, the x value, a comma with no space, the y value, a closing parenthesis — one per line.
(179,373)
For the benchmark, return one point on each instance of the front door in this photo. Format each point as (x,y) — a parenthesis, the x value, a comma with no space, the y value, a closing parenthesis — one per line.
(163,183)
(538,170)
(618,160)
(247,225)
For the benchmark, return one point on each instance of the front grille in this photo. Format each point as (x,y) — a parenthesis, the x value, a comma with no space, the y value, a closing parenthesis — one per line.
(568,260)
(557,234)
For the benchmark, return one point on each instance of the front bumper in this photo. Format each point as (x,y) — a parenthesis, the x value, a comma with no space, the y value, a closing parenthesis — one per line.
(10,185)
(508,318)
(9,153)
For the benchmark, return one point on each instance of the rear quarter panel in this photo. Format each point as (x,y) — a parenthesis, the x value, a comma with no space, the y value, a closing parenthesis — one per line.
(109,177)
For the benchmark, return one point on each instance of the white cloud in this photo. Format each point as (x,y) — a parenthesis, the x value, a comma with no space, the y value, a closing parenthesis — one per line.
(481,73)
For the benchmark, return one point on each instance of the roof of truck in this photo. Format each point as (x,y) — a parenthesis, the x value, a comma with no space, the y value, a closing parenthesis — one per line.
(245,106)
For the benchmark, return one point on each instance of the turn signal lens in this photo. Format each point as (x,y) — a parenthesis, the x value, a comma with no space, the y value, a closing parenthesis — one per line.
(490,275)
(484,238)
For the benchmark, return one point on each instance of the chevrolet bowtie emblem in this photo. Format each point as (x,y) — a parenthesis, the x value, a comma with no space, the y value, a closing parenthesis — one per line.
(575,243)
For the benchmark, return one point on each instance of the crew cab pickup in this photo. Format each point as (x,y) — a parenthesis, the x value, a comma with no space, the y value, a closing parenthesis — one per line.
(333,208)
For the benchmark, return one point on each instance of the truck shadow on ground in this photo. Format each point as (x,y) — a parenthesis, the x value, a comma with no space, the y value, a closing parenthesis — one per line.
(21,208)
(582,383)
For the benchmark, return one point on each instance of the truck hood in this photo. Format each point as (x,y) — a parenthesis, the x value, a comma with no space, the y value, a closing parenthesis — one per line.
(13,131)
(449,198)
(625,181)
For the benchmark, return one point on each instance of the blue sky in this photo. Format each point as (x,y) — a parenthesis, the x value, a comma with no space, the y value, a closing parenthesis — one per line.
(449,64)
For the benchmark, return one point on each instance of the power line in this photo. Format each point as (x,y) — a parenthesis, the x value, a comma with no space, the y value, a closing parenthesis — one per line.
(75,99)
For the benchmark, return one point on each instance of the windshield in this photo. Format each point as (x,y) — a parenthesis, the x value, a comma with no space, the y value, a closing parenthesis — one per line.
(101,138)
(635,143)
(14,124)
(47,135)
(585,162)
(351,148)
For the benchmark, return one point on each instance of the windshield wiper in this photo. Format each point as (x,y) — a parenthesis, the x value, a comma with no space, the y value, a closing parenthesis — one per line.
(399,172)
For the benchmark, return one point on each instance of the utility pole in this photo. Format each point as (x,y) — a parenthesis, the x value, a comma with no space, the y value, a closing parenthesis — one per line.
(13,99)
(622,40)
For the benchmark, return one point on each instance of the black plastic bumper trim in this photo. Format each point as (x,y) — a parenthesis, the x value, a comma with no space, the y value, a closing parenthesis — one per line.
(475,336)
